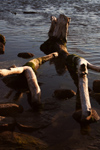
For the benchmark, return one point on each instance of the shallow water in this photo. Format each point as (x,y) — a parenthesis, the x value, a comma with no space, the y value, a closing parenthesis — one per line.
(25,32)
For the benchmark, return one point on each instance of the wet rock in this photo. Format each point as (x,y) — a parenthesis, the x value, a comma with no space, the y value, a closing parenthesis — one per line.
(7,123)
(64,93)
(2,44)
(9,140)
(2,39)
(29,12)
(25,55)
(10,109)
(2,48)
(96,86)
(93,117)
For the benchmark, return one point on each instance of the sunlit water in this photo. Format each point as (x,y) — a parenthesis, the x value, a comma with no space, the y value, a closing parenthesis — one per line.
(26,32)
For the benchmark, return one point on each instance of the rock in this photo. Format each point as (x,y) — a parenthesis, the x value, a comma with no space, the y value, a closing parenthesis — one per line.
(10,109)
(2,44)
(25,55)
(2,48)
(64,93)
(9,140)
(2,39)
(17,82)
(93,117)
(96,86)
(29,12)
(7,123)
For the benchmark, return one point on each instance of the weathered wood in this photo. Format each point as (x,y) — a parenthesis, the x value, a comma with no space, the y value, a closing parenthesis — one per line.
(83,87)
(36,62)
(57,36)
(80,67)
(28,71)
(53,25)
(30,77)
(59,27)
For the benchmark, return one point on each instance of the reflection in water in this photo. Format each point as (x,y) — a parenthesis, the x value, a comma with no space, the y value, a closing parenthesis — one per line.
(60,65)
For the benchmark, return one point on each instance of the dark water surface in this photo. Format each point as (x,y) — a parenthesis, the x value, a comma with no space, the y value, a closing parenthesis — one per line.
(25,32)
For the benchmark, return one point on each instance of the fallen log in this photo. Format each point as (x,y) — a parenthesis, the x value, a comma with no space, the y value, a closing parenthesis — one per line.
(28,71)
(80,67)
(36,62)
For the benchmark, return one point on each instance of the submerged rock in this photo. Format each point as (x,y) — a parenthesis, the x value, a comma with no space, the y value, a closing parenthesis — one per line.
(96,86)
(9,140)
(7,123)
(25,55)
(64,93)
(10,109)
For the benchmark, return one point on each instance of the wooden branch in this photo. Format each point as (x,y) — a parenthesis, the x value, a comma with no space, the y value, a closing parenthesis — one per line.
(33,85)
(35,63)
(80,67)
(30,75)
(83,87)
(31,79)
(93,67)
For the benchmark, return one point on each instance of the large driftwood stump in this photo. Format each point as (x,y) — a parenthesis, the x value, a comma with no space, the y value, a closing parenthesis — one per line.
(57,36)
(57,42)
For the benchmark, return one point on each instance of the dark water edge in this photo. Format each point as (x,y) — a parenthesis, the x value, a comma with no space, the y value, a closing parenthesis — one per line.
(25,25)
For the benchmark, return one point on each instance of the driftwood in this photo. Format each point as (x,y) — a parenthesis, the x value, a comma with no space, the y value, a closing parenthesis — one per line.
(80,67)
(30,75)
(57,36)
(57,43)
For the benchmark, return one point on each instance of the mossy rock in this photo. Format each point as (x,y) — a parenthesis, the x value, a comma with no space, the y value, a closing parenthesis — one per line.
(2,39)
(9,140)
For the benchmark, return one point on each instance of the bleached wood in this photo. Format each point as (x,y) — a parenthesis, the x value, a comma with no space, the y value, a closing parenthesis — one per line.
(31,79)
(93,67)
(53,25)
(60,27)
(83,87)
(33,85)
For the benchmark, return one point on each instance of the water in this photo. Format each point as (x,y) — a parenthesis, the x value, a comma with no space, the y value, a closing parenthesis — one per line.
(26,32)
